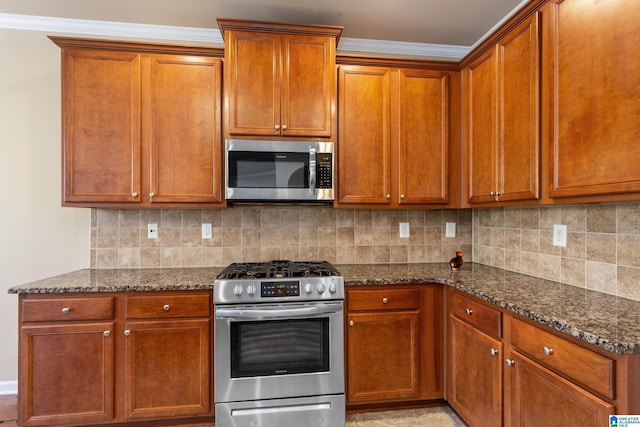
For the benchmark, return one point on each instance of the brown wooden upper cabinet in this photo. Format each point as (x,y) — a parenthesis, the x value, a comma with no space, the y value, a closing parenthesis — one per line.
(501,118)
(139,128)
(393,148)
(595,98)
(280,79)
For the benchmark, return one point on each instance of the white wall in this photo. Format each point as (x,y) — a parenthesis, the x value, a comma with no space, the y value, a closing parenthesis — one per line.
(38,238)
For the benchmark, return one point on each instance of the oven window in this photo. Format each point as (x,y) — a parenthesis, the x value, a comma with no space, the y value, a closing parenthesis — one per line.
(249,169)
(279,347)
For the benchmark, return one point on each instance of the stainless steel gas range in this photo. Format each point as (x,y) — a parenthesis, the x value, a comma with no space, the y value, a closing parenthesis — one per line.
(279,350)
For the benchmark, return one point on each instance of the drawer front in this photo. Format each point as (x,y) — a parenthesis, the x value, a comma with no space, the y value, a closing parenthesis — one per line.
(383,299)
(67,309)
(161,306)
(575,362)
(477,314)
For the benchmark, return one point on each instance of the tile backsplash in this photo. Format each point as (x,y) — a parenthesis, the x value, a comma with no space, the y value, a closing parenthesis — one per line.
(602,252)
(262,233)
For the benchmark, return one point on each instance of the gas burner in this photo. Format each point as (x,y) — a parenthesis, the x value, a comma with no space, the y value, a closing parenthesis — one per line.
(278,269)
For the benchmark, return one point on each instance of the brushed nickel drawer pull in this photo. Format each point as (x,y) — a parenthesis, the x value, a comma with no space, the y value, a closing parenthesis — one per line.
(165,307)
(65,310)
(548,351)
(494,351)
(469,311)
(385,300)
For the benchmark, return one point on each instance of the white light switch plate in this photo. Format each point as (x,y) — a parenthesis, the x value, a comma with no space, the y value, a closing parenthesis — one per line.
(404,230)
(206,231)
(560,235)
(450,229)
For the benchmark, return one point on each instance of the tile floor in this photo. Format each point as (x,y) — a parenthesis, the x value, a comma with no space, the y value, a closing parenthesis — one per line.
(441,416)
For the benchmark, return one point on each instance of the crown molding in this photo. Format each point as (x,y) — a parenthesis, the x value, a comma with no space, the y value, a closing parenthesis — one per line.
(110,29)
(432,51)
(211,37)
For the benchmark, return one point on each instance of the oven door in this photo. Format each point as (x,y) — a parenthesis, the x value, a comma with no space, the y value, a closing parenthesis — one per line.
(267,351)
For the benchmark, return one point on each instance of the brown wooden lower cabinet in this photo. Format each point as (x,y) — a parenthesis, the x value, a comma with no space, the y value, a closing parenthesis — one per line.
(475,383)
(394,344)
(503,370)
(543,398)
(66,373)
(88,359)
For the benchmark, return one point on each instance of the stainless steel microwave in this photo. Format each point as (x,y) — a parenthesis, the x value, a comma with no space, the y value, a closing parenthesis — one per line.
(278,171)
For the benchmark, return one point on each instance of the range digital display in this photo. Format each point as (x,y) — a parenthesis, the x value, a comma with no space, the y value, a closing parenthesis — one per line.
(280,289)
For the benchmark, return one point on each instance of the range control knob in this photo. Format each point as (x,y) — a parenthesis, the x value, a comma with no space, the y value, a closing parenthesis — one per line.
(320,287)
(333,288)
(308,288)
(251,289)
(238,290)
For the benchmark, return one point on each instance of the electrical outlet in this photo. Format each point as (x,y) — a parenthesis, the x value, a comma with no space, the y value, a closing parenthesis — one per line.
(404,230)
(206,231)
(560,235)
(152,231)
(450,229)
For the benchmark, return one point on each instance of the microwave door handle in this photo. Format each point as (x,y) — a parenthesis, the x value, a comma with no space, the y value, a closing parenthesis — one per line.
(286,313)
(312,171)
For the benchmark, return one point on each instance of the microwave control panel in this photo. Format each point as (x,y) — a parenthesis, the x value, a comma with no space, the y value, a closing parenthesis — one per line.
(324,168)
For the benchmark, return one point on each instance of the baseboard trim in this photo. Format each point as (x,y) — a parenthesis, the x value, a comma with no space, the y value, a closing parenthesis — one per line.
(8,387)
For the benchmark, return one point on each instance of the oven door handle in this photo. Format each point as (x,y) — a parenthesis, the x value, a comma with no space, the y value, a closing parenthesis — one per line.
(279,312)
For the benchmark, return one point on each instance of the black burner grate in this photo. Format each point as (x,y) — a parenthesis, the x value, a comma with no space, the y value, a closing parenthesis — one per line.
(277,269)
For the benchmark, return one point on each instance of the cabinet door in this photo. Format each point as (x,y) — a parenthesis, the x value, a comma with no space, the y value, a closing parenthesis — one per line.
(101,126)
(594,84)
(475,374)
(66,374)
(365,135)
(481,123)
(308,85)
(383,356)
(167,369)
(252,83)
(423,149)
(518,103)
(539,397)
(185,129)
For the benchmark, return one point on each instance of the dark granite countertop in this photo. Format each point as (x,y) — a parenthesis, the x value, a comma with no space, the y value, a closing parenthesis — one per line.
(607,321)
(121,280)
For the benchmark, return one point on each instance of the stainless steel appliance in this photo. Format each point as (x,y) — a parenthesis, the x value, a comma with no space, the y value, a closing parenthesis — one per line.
(279,350)
(277,171)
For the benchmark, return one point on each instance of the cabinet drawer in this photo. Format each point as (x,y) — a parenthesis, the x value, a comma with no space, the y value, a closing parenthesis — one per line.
(383,299)
(160,306)
(571,360)
(65,309)
(477,314)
